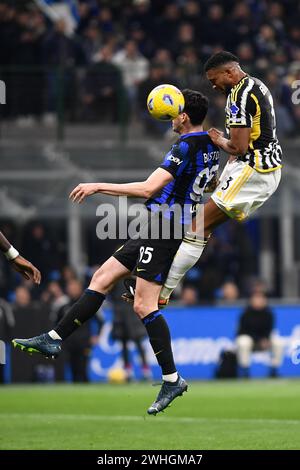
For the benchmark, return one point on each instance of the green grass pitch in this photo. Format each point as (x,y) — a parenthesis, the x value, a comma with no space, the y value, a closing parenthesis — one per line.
(262,414)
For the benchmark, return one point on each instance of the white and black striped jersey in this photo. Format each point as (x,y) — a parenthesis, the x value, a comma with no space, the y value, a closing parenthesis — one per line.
(250,104)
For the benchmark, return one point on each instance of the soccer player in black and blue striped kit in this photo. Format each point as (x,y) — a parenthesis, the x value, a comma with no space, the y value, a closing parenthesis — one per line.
(173,192)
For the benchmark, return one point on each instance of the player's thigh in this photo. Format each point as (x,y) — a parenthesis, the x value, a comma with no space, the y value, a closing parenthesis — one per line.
(155,259)
(107,275)
(209,216)
(213,217)
(128,253)
(245,190)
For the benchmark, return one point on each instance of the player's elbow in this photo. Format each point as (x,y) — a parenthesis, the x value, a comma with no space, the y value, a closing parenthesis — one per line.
(243,149)
(239,149)
(148,192)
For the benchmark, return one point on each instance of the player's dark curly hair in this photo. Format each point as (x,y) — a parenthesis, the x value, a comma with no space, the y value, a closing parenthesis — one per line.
(195,106)
(220,58)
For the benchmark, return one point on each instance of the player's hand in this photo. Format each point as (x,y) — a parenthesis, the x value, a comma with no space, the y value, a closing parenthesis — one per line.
(215,135)
(28,271)
(82,191)
(213,183)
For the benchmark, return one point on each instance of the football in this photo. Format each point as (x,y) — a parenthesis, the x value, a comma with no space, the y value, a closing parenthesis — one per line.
(116,376)
(165,102)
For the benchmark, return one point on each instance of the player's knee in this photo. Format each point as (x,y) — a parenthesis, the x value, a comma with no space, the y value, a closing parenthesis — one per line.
(244,342)
(140,308)
(101,280)
(277,343)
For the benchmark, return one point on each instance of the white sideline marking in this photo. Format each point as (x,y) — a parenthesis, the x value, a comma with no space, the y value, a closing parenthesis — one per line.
(73,417)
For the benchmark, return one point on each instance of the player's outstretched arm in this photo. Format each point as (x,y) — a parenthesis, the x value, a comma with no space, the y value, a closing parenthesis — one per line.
(156,181)
(19,263)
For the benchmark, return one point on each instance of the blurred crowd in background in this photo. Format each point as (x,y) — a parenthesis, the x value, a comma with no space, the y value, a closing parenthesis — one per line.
(120,50)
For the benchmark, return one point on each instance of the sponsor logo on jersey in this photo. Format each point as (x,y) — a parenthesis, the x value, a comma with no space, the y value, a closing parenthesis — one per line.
(174,159)
(234,109)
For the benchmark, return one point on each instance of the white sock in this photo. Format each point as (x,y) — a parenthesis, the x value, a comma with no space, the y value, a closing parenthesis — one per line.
(54,335)
(170,377)
(186,257)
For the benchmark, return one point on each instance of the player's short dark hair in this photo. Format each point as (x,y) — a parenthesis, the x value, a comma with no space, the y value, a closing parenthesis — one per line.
(220,58)
(195,106)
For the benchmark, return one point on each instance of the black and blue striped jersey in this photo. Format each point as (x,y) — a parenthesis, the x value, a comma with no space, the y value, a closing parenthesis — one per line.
(192,161)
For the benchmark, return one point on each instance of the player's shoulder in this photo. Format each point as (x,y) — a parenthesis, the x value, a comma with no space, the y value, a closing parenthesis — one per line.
(197,141)
(242,89)
(194,137)
(248,87)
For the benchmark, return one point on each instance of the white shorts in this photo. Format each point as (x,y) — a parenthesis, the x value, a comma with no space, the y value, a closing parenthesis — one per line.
(242,189)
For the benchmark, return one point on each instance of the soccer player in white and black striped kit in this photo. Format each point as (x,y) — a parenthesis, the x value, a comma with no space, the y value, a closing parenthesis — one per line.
(253,170)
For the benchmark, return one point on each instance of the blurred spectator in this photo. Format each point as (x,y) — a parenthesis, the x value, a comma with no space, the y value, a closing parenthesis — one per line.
(258,286)
(266,40)
(77,347)
(30,318)
(7,323)
(185,38)
(241,26)
(255,334)
(92,41)
(38,247)
(189,68)
(128,327)
(229,292)
(214,31)
(134,67)
(105,21)
(27,99)
(167,25)
(61,53)
(55,297)
(245,53)
(67,274)
(102,88)
(189,296)
(22,298)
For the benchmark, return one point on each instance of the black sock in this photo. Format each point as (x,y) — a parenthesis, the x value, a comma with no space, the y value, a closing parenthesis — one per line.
(86,307)
(160,339)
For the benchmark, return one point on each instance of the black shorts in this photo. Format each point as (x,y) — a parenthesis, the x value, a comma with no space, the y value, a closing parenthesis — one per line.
(148,258)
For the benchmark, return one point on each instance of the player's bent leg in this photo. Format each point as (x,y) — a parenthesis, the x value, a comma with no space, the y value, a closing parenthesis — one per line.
(192,247)
(49,344)
(107,275)
(146,296)
(145,306)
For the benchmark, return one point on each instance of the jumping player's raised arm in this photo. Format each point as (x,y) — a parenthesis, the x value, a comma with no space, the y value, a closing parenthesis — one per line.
(238,142)
(19,263)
